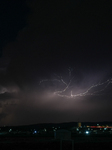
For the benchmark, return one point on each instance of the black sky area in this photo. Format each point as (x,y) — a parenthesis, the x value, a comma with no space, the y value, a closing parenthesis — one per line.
(55,61)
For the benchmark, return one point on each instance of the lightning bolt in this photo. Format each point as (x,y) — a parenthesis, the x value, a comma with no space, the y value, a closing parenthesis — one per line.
(67,85)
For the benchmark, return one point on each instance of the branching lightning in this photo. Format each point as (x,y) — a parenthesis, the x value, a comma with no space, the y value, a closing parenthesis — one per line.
(66,85)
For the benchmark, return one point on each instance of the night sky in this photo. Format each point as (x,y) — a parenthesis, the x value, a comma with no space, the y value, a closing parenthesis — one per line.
(55,61)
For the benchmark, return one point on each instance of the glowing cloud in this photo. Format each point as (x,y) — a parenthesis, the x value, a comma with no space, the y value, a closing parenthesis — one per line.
(67,86)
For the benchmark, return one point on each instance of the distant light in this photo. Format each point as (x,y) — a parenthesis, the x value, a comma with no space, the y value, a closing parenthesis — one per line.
(10,130)
(87,132)
(77,129)
(45,130)
(34,132)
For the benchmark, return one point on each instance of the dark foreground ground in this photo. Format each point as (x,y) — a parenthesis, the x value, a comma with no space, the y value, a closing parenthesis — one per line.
(34,143)
(56,146)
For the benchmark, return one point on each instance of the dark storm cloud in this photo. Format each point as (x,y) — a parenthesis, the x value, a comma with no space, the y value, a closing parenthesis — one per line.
(57,36)
(12,14)
(6,96)
(2,115)
(65,43)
